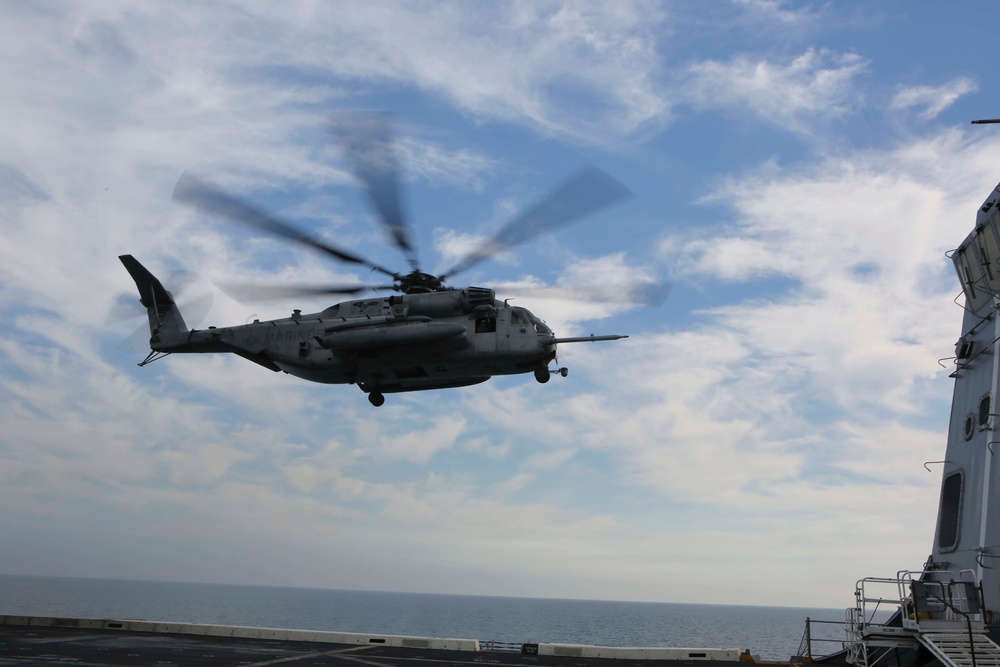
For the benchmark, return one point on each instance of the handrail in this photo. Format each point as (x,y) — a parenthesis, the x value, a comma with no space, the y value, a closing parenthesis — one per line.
(981,554)
(968,618)
(805,644)
(938,588)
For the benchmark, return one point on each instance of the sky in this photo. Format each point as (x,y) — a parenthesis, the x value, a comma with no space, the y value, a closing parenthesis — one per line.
(798,171)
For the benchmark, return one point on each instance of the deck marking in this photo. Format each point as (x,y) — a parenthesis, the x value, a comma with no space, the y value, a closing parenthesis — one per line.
(369,662)
(478,662)
(62,640)
(313,654)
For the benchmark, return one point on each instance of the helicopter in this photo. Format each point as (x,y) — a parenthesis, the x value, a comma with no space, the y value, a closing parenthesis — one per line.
(428,335)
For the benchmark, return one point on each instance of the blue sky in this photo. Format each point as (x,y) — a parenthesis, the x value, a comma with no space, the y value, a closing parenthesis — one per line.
(799,171)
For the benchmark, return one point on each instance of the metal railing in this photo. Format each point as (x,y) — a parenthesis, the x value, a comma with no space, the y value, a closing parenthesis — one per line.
(925,603)
(920,604)
(808,638)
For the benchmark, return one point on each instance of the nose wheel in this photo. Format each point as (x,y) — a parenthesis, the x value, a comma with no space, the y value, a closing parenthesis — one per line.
(544,374)
(376,398)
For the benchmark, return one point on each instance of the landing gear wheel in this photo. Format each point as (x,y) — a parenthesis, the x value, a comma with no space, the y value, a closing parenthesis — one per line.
(376,398)
(542,375)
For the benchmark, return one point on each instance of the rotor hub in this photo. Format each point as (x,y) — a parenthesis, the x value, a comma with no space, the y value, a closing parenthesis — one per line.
(418,282)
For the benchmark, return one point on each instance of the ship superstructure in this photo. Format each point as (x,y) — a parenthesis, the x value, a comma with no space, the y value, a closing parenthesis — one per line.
(949,612)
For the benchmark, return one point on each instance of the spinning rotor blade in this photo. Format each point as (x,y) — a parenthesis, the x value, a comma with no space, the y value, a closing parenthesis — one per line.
(206,197)
(368,143)
(249,292)
(127,309)
(194,302)
(587,192)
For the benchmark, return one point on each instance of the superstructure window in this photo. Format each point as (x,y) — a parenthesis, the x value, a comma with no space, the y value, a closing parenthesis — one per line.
(950,513)
(984,412)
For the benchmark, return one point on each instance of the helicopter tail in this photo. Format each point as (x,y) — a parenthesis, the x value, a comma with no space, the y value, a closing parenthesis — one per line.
(166,326)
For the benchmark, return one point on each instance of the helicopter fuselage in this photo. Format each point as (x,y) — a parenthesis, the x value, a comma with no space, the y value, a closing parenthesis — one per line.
(406,342)
(431,336)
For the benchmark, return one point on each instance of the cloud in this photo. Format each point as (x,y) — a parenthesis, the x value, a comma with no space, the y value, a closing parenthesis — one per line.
(588,290)
(861,241)
(419,445)
(759,420)
(522,63)
(462,167)
(132,97)
(814,85)
(773,10)
(786,404)
(934,99)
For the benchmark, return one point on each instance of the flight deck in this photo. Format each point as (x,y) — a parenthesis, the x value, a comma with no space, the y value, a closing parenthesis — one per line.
(33,640)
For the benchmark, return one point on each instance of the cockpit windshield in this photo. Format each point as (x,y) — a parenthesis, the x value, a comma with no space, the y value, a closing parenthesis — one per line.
(540,327)
(522,318)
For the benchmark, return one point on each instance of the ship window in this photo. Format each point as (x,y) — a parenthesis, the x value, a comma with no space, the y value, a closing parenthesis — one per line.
(950,513)
(984,411)
(970,426)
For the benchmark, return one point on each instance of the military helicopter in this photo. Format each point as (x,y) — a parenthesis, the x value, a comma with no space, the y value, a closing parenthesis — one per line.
(426,336)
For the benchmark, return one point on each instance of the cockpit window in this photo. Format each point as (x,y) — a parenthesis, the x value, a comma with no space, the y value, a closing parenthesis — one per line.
(540,327)
(522,318)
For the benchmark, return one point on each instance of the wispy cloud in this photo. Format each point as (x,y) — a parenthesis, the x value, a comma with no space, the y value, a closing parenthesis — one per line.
(814,85)
(757,420)
(933,99)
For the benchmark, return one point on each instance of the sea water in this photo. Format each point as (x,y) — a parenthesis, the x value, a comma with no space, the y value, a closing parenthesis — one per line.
(773,633)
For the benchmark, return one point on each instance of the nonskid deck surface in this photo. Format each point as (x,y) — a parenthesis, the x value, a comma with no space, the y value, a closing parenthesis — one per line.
(44,641)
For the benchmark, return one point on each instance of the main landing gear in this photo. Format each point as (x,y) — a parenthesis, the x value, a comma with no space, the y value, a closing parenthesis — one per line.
(543,374)
(376,398)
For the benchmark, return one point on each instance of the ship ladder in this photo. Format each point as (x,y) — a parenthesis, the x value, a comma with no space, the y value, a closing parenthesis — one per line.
(958,649)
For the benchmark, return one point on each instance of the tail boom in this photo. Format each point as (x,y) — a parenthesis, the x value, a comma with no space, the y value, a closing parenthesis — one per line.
(166,325)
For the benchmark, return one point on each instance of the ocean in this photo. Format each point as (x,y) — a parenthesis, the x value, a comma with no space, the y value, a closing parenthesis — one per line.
(773,633)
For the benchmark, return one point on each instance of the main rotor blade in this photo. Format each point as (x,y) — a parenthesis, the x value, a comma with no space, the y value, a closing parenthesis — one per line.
(368,143)
(249,292)
(585,193)
(208,198)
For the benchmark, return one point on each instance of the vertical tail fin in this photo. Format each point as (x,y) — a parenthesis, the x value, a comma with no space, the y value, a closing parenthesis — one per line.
(166,326)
